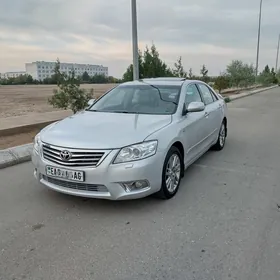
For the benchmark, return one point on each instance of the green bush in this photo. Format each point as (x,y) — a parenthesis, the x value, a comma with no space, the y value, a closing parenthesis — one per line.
(69,95)
(227,99)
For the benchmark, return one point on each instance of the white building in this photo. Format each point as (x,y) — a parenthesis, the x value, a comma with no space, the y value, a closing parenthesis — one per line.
(7,75)
(40,70)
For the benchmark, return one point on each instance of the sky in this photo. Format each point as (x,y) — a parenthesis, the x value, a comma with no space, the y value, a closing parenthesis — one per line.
(211,32)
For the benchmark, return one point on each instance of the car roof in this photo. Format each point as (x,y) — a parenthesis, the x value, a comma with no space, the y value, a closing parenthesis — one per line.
(171,81)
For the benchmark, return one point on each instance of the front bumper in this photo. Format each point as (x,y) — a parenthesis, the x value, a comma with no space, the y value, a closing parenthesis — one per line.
(105,179)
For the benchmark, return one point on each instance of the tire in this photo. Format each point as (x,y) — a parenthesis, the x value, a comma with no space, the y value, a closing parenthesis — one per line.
(222,138)
(167,191)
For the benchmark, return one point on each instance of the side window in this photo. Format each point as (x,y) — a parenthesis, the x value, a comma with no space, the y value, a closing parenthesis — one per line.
(214,95)
(206,94)
(192,94)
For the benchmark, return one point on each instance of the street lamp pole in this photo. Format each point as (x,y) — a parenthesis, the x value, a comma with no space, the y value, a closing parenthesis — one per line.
(134,40)
(259,35)
(277,56)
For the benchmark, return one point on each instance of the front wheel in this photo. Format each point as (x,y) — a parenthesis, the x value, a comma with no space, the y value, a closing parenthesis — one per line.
(222,138)
(171,174)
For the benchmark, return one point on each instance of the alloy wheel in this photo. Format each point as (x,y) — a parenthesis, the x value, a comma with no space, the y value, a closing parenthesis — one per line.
(222,135)
(173,173)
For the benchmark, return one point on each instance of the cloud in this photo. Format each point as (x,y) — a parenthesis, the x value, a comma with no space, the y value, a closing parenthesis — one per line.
(94,31)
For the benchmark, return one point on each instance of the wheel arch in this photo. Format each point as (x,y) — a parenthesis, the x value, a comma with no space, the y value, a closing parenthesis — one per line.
(226,122)
(178,144)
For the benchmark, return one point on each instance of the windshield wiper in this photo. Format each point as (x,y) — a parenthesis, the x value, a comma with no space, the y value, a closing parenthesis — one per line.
(122,112)
(101,111)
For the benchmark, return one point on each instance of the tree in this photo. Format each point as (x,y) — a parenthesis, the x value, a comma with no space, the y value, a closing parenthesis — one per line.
(153,66)
(99,79)
(113,80)
(191,75)
(266,69)
(29,79)
(240,74)
(85,77)
(58,77)
(204,73)
(150,66)
(69,95)
(273,74)
(267,76)
(221,82)
(278,76)
(179,71)
(20,80)
(128,75)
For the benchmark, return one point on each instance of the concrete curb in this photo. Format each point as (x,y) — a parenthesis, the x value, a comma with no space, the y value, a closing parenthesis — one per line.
(25,128)
(32,122)
(245,94)
(15,155)
(20,154)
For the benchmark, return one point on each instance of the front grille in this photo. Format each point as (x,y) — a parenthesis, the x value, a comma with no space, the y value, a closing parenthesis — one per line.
(75,186)
(78,157)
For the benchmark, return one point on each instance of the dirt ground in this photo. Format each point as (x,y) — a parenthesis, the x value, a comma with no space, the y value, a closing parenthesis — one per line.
(22,100)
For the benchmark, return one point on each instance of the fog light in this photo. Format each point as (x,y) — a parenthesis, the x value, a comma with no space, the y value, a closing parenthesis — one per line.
(135,185)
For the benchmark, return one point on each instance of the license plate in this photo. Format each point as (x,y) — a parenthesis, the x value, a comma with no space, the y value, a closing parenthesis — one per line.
(72,175)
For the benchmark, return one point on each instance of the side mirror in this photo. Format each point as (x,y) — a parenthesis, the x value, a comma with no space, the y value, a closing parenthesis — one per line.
(195,107)
(90,102)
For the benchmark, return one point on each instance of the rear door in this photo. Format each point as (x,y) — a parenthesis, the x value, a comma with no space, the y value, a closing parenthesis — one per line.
(213,113)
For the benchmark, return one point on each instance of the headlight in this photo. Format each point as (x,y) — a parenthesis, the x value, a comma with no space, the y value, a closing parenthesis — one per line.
(136,152)
(36,143)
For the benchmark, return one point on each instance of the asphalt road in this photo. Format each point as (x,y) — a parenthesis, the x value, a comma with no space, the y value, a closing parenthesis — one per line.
(223,224)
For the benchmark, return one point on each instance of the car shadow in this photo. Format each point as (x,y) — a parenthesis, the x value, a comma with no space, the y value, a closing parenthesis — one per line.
(146,204)
(104,205)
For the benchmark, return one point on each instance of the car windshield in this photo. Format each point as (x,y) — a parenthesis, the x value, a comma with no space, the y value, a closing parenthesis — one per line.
(139,99)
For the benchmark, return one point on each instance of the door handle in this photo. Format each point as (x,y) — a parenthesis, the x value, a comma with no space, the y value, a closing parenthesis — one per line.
(206,114)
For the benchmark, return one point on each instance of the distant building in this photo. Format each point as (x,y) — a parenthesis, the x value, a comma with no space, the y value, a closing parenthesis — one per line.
(7,75)
(40,70)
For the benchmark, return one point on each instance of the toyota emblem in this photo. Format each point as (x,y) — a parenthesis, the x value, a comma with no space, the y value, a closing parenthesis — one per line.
(65,155)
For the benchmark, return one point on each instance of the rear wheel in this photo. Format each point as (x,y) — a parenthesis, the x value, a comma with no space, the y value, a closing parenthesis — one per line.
(171,174)
(222,138)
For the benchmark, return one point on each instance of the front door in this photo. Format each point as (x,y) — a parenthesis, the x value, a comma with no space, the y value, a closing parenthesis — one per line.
(193,126)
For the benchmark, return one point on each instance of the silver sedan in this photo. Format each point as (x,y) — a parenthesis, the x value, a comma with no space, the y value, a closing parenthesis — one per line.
(134,141)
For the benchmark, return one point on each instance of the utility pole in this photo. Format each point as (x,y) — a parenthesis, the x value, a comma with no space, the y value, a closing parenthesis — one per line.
(134,40)
(259,35)
(277,56)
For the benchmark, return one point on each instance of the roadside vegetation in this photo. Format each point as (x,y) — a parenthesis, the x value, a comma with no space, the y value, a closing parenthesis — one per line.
(84,79)
(69,95)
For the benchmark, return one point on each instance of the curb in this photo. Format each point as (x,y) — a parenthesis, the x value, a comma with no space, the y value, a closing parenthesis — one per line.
(25,128)
(20,154)
(242,95)
(15,155)
(37,124)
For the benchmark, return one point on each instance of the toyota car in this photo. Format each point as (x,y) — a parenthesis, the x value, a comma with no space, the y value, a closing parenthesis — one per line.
(136,140)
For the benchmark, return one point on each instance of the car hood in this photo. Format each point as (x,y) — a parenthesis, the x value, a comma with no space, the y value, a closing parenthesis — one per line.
(99,130)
